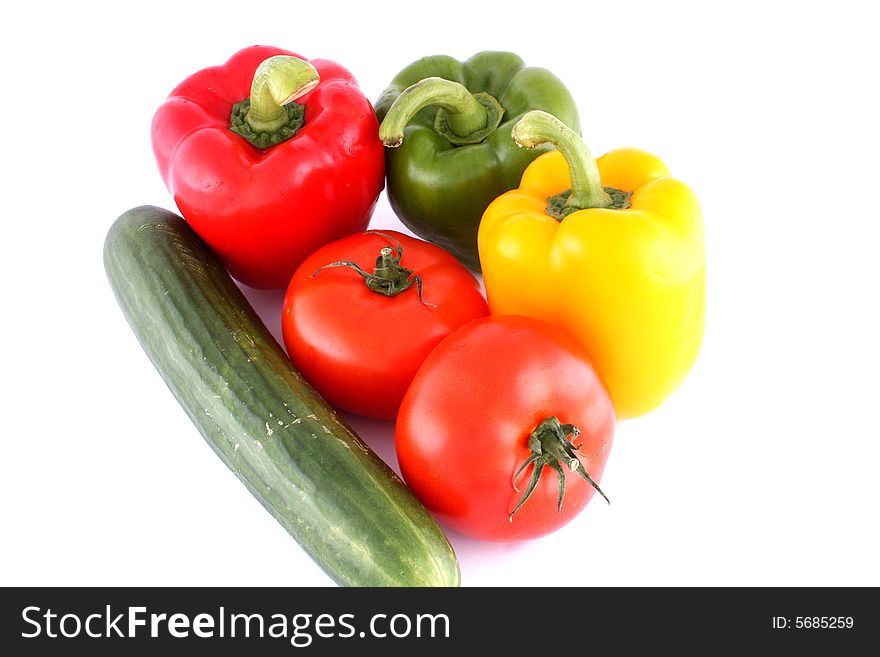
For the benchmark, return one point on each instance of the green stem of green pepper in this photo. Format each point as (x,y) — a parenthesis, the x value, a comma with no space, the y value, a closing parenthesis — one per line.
(537,127)
(467,115)
(278,80)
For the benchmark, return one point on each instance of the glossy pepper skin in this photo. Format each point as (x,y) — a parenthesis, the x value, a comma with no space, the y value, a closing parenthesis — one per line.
(439,189)
(264,209)
(629,284)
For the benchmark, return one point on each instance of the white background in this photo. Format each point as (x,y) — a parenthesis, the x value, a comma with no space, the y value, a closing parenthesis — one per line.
(760,470)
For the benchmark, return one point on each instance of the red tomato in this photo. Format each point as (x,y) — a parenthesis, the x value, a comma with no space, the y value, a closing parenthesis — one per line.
(358,347)
(464,428)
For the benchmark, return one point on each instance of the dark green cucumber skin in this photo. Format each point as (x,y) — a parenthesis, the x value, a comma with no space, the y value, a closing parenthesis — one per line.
(340,501)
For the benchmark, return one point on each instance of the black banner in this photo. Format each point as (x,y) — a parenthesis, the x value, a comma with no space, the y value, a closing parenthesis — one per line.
(318,621)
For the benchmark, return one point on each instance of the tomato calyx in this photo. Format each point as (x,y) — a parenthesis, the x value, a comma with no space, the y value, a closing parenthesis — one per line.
(551,446)
(389,277)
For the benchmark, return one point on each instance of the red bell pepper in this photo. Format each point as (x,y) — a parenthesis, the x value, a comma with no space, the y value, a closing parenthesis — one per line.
(263,180)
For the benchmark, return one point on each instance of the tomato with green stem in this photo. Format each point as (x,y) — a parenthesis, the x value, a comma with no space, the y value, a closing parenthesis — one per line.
(362,313)
(505,430)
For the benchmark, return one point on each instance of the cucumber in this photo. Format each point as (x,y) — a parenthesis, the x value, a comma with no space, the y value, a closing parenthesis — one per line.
(337,498)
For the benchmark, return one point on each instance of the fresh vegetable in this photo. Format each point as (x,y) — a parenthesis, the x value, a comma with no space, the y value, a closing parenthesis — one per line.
(505,430)
(447,125)
(362,313)
(346,508)
(610,250)
(262,179)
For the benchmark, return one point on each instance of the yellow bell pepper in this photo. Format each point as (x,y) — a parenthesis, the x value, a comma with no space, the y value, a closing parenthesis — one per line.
(610,250)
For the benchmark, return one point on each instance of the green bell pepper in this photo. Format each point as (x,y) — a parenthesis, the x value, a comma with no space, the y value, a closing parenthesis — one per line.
(447,127)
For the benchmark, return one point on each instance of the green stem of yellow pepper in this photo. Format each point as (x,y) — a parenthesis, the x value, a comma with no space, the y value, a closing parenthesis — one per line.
(463,117)
(538,127)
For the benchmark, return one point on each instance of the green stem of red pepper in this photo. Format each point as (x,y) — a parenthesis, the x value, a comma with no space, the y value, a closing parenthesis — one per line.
(279,80)
(263,119)
(462,117)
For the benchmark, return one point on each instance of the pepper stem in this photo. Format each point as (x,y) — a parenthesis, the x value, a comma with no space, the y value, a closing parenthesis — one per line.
(538,127)
(278,80)
(462,117)
(551,446)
